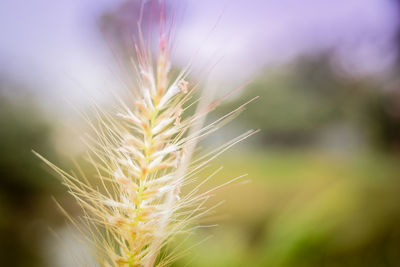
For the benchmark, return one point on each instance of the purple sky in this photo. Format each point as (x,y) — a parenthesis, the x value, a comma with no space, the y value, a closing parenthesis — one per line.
(254,33)
(56,44)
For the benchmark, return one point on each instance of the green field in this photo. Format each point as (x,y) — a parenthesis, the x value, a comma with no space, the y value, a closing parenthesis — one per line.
(302,208)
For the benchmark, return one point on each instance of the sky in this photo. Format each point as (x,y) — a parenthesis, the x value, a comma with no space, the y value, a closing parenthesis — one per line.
(262,32)
(56,46)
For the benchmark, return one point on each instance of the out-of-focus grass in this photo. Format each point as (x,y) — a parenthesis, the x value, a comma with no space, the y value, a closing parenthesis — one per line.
(304,208)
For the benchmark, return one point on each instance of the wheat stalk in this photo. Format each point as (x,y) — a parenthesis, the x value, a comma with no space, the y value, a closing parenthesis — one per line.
(142,157)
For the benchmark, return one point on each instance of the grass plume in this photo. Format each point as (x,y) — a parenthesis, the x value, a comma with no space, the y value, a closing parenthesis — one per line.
(142,155)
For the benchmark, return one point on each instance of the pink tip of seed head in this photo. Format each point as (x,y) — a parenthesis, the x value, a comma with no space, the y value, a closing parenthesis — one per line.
(163,43)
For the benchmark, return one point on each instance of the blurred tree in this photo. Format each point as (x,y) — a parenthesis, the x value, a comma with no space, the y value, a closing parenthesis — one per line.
(300,101)
(390,112)
(25,186)
(121,24)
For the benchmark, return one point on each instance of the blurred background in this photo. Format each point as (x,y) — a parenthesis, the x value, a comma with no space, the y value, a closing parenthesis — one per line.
(324,170)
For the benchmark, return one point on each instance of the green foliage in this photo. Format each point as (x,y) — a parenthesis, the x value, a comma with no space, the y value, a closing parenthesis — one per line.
(297,102)
(306,208)
(25,186)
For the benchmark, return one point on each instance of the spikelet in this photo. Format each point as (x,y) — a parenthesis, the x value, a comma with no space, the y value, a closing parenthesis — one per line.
(142,157)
